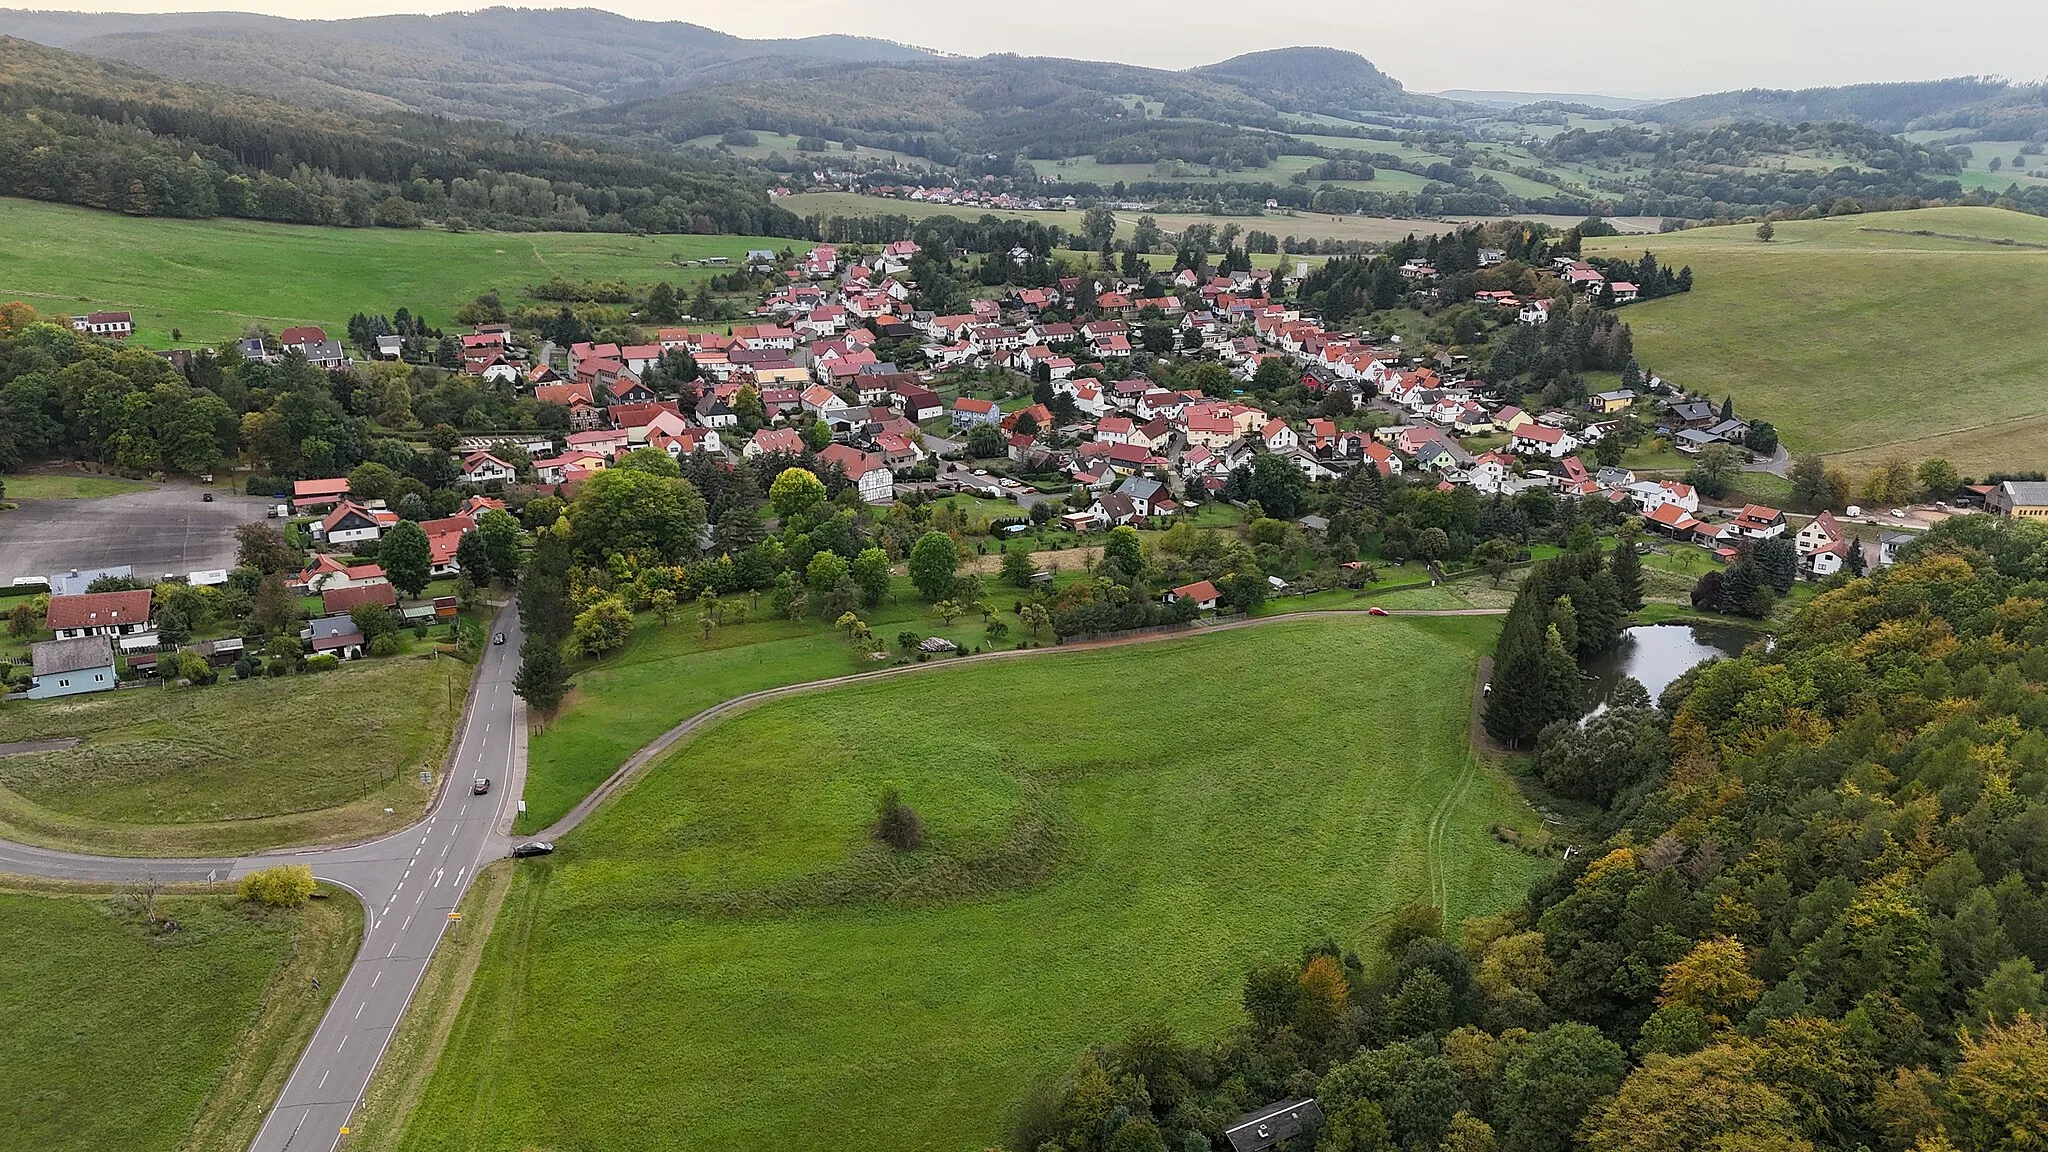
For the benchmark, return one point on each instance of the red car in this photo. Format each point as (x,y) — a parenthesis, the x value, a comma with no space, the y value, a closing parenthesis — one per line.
(1376,611)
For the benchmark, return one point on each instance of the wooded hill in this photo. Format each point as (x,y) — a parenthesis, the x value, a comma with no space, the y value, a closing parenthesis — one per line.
(83,131)
(516,65)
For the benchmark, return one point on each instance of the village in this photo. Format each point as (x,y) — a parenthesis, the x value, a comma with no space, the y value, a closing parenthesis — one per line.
(1028,398)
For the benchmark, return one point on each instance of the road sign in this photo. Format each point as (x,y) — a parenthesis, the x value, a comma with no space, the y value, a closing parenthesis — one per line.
(426,777)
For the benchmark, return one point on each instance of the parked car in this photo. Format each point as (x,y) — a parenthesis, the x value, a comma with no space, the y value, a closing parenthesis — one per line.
(533,848)
(480,785)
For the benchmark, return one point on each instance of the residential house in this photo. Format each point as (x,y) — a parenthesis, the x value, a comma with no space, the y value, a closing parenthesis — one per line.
(769,441)
(968,412)
(113,325)
(1672,520)
(1279,437)
(869,474)
(1148,496)
(1758,522)
(606,442)
(70,666)
(1539,440)
(342,601)
(568,467)
(327,571)
(1201,593)
(327,355)
(1607,402)
(121,615)
(334,635)
(1822,545)
(484,468)
(351,522)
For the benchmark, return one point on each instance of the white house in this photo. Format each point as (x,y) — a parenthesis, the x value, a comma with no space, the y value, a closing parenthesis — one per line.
(1540,440)
(484,468)
(870,476)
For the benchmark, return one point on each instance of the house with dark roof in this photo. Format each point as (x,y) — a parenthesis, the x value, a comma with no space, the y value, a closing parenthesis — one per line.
(342,601)
(69,667)
(334,635)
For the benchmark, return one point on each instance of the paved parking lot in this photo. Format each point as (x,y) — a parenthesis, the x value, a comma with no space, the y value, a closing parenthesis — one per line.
(166,529)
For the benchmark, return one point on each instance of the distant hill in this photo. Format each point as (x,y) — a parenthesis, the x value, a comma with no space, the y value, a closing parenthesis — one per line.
(1318,80)
(516,65)
(1885,107)
(1491,98)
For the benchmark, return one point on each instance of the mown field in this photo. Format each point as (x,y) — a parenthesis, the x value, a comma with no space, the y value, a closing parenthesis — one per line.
(724,958)
(215,278)
(1911,333)
(112,1036)
(235,767)
(65,486)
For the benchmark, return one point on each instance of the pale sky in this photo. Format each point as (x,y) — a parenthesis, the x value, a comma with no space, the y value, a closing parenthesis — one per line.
(1650,47)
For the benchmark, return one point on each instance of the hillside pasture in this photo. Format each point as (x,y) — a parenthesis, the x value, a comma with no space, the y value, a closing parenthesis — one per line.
(1910,333)
(724,957)
(214,279)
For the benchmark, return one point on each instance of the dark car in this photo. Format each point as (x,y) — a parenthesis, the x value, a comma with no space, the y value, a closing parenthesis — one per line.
(497,638)
(533,848)
(480,785)
(206,496)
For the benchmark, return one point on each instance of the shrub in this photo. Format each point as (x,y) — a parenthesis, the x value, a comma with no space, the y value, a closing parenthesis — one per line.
(385,645)
(897,824)
(284,886)
(323,662)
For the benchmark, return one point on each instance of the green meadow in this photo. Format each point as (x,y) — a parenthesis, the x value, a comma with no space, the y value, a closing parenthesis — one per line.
(213,279)
(723,957)
(1910,333)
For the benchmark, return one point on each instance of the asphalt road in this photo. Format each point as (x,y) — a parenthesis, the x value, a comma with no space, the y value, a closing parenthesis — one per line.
(408,882)
(165,529)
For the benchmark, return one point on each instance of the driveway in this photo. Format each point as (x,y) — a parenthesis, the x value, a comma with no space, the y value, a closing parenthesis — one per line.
(165,529)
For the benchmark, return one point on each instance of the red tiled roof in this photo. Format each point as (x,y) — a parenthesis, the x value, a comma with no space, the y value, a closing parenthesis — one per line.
(98,609)
(336,601)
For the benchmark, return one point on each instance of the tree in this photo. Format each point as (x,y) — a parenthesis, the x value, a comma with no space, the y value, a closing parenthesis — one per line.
(995,631)
(1776,562)
(824,572)
(1809,477)
(620,511)
(1627,569)
(1279,487)
(260,546)
(662,601)
(1017,567)
(1715,1100)
(794,492)
(662,305)
(985,441)
(1551,1082)
(1765,231)
(503,540)
(543,677)
(949,611)
(933,561)
(473,556)
(603,627)
(1715,470)
(1938,478)
(1098,225)
(406,556)
(1996,1087)
(870,571)
(1035,618)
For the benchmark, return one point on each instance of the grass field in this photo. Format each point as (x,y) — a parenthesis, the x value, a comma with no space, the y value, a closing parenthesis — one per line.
(232,768)
(214,278)
(1915,333)
(666,675)
(65,486)
(723,958)
(111,1037)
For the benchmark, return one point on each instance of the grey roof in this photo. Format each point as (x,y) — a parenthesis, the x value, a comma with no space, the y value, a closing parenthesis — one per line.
(55,657)
(76,581)
(1141,488)
(325,350)
(330,626)
(2016,492)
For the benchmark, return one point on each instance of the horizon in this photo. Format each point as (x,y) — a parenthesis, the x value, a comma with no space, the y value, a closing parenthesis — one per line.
(1756,45)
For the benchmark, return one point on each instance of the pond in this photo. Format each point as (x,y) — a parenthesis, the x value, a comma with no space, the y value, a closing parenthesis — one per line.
(1657,654)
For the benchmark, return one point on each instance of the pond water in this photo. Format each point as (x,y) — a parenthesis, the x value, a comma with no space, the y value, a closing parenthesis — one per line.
(1657,654)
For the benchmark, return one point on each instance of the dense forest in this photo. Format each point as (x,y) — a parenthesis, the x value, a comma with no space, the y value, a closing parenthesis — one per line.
(80,131)
(1812,914)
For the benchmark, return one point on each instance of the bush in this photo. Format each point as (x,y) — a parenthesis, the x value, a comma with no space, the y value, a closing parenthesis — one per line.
(323,662)
(284,886)
(897,824)
(385,645)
